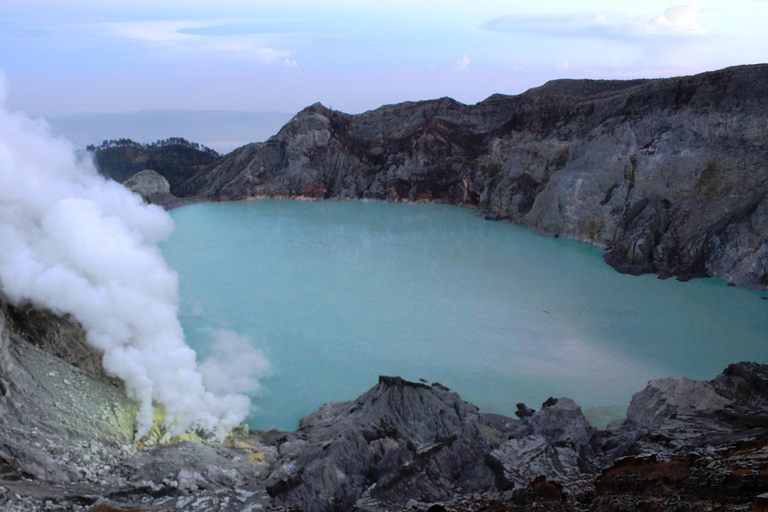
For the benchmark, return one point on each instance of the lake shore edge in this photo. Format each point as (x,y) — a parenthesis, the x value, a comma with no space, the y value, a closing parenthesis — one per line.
(401,446)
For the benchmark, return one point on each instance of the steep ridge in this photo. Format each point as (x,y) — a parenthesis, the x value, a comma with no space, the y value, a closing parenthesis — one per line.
(404,441)
(407,445)
(669,176)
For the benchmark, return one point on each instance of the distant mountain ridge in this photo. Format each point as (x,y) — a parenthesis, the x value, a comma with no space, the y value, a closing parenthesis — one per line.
(668,175)
(222,130)
(175,158)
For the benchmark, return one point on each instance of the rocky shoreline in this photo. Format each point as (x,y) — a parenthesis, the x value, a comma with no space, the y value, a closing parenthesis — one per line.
(669,176)
(66,443)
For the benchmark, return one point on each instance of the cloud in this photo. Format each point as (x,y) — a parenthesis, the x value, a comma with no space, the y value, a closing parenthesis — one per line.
(290,63)
(234,366)
(77,243)
(463,63)
(187,36)
(675,23)
(155,31)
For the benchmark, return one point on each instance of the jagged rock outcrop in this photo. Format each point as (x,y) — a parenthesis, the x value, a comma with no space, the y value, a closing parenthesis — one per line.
(669,176)
(692,445)
(154,188)
(405,441)
(685,446)
(67,434)
(66,442)
(407,445)
(671,415)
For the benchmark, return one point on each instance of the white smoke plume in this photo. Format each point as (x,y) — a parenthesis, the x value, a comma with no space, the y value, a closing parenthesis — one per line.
(234,365)
(75,242)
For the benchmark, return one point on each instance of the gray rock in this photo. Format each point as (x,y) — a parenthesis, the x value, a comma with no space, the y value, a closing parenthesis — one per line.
(523,411)
(672,416)
(403,440)
(562,422)
(522,460)
(147,183)
(399,435)
(192,465)
(667,175)
(57,335)
(155,189)
(555,442)
(66,442)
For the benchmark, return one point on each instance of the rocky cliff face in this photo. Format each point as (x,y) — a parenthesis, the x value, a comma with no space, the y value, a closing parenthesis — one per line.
(67,434)
(54,399)
(404,441)
(669,176)
(407,445)
(66,444)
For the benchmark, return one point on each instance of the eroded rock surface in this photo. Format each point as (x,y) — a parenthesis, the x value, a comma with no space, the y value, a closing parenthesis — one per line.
(404,441)
(155,189)
(669,176)
(67,434)
(148,183)
(66,443)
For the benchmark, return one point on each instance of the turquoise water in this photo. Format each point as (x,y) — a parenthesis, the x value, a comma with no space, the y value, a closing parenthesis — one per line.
(338,293)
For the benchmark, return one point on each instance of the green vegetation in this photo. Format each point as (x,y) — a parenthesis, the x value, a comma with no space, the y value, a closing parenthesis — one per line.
(175,158)
(171,141)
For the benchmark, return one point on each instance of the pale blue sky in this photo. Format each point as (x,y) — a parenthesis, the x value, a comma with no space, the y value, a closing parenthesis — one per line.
(69,56)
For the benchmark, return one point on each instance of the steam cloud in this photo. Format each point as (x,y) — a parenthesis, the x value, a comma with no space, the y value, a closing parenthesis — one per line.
(234,366)
(77,243)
